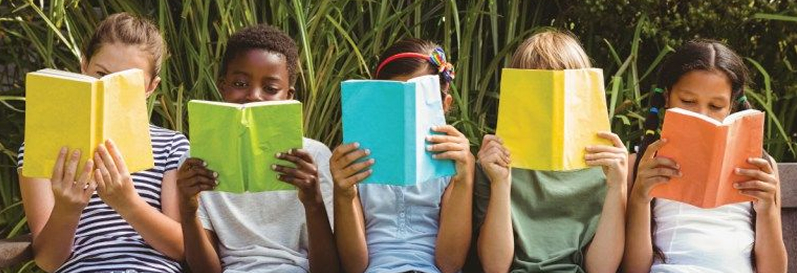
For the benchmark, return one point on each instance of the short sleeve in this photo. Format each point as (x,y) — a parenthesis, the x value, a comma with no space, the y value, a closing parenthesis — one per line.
(20,155)
(179,146)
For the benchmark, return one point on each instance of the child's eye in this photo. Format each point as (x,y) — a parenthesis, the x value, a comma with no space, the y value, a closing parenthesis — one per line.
(715,108)
(687,101)
(240,84)
(272,90)
(101,74)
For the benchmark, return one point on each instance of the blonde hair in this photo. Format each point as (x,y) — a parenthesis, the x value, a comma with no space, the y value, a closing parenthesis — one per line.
(129,30)
(550,50)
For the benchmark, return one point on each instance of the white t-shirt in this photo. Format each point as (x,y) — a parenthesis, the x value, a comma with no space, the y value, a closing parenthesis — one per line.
(703,240)
(265,231)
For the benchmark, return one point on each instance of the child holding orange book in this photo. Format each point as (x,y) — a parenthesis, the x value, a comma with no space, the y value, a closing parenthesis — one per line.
(708,78)
(544,221)
(130,221)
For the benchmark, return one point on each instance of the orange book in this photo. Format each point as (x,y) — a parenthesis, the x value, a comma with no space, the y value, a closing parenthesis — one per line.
(708,152)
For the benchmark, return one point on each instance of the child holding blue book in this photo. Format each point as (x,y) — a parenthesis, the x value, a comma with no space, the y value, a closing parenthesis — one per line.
(419,228)
(708,78)
(271,231)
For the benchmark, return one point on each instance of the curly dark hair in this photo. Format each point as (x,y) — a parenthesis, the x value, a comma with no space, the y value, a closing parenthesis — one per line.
(263,37)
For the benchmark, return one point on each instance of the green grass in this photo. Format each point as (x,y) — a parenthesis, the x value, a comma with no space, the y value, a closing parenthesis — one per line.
(341,40)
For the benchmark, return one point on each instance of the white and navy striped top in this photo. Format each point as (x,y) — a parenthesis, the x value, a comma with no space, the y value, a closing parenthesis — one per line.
(106,242)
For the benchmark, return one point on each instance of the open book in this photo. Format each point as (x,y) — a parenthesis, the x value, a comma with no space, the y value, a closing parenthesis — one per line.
(81,112)
(548,117)
(708,151)
(240,141)
(392,119)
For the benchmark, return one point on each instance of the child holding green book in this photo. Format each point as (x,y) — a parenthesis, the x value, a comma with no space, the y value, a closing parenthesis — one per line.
(271,231)
(129,223)
(544,221)
(419,228)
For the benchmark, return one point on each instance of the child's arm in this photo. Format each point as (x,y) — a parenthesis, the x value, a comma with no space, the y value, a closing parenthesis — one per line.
(453,238)
(53,208)
(349,220)
(652,170)
(764,186)
(201,245)
(322,253)
(496,242)
(115,187)
(605,252)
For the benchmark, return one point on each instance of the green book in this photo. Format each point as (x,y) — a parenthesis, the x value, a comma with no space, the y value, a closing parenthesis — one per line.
(239,141)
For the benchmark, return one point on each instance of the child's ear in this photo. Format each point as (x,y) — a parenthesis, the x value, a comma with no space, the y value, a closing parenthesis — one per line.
(84,66)
(291,92)
(447,100)
(153,85)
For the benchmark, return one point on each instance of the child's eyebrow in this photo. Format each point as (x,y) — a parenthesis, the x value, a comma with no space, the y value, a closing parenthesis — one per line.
(102,67)
(241,72)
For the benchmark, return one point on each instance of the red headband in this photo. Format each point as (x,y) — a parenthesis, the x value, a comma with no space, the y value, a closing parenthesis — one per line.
(400,56)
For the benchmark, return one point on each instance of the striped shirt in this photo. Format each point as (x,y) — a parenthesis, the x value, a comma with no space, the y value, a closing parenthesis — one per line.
(104,241)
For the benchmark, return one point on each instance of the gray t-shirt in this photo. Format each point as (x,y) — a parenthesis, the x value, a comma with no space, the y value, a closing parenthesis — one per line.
(265,231)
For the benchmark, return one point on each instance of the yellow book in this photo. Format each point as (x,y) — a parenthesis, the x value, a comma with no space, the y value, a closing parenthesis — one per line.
(548,117)
(81,112)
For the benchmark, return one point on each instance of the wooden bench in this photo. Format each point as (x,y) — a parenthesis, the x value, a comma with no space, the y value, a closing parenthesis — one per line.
(17,250)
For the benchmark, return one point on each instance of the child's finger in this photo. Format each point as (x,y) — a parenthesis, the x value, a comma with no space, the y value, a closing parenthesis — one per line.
(193,162)
(201,181)
(343,150)
(71,167)
(754,174)
(100,179)
(604,148)
(301,163)
(354,156)
(761,163)
(296,181)
(89,191)
(448,129)
(290,171)
(441,147)
(755,185)
(357,178)
(759,195)
(117,156)
(665,172)
(442,139)
(107,162)
(654,147)
(602,155)
(491,138)
(452,155)
(58,169)
(357,167)
(614,138)
(85,175)
(303,154)
(606,162)
(666,162)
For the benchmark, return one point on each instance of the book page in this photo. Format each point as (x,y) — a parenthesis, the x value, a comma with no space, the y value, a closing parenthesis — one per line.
(429,112)
(269,129)
(744,140)
(216,137)
(125,119)
(585,114)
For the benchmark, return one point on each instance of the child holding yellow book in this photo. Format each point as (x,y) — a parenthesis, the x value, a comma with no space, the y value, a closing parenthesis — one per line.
(270,231)
(419,228)
(129,222)
(708,78)
(543,221)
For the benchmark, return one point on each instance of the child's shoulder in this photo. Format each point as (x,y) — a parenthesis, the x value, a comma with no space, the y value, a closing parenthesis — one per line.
(163,133)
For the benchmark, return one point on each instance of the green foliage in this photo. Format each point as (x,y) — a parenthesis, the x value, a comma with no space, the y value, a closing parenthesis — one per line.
(342,39)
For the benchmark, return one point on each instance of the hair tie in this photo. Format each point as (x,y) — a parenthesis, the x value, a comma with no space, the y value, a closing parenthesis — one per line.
(650,132)
(654,110)
(742,99)
(658,90)
(437,58)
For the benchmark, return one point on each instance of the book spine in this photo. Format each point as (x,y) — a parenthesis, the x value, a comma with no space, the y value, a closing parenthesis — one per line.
(411,140)
(558,143)
(98,128)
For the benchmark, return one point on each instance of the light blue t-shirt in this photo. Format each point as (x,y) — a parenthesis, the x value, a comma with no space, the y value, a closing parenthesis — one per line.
(401,225)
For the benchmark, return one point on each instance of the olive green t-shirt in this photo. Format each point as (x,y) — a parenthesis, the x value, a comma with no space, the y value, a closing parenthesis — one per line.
(554,216)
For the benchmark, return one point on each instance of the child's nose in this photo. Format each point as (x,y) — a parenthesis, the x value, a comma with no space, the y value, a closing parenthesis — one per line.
(256,94)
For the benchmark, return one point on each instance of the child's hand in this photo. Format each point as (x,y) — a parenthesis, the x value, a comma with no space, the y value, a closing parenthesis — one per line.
(114,183)
(454,146)
(345,172)
(70,194)
(193,177)
(764,185)
(652,171)
(613,159)
(495,159)
(304,176)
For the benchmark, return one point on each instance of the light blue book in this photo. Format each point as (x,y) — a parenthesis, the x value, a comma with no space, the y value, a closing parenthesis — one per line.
(392,119)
